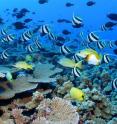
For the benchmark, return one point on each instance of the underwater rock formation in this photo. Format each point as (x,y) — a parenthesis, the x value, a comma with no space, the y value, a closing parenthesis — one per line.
(42,74)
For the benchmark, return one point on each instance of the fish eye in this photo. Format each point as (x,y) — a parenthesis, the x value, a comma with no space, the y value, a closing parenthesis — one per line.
(83,96)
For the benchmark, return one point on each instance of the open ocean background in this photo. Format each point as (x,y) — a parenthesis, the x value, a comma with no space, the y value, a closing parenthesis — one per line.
(58,62)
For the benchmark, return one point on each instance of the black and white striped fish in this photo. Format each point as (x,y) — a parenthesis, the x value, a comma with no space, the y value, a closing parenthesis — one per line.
(106,58)
(4,55)
(84,42)
(37,43)
(111,44)
(65,50)
(76,72)
(51,36)
(104,28)
(30,48)
(114,84)
(91,37)
(8,38)
(26,36)
(3,32)
(76,58)
(77,21)
(100,44)
(44,29)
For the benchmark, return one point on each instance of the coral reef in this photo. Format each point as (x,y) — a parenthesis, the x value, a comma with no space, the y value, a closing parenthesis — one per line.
(48,111)
(42,74)
(54,105)
(16,86)
(58,111)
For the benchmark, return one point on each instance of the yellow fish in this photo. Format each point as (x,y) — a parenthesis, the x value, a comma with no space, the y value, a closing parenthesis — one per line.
(91,56)
(23,65)
(66,62)
(85,52)
(93,59)
(77,94)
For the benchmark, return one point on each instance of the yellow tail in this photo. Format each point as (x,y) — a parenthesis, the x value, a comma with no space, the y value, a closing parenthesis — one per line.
(79,65)
(66,62)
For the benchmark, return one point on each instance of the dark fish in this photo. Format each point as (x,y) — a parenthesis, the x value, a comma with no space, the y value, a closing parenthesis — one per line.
(27,20)
(1,21)
(35,30)
(21,13)
(60,38)
(115,51)
(77,22)
(91,37)
(42,1)
(112,16)
(15,9)
(110,24)
(41,21)
(19,25)
(69,4)
(63,21)
(66,32)
(33,13)
(115,42)
(7,9)
(114,83)
(90,3)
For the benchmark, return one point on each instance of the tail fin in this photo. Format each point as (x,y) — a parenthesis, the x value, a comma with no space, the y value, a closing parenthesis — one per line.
(79,65)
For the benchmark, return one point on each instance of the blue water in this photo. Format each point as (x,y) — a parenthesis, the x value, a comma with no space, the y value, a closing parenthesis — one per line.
(93,18)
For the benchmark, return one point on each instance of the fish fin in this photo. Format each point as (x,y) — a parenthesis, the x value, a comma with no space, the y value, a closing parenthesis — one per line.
(87,57)
(79,65)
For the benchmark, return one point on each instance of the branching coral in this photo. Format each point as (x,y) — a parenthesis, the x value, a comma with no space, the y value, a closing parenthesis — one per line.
(36,98)
(19,118)
(58,111)
(8,121)
(95,105)
(99,121)
(65,88)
